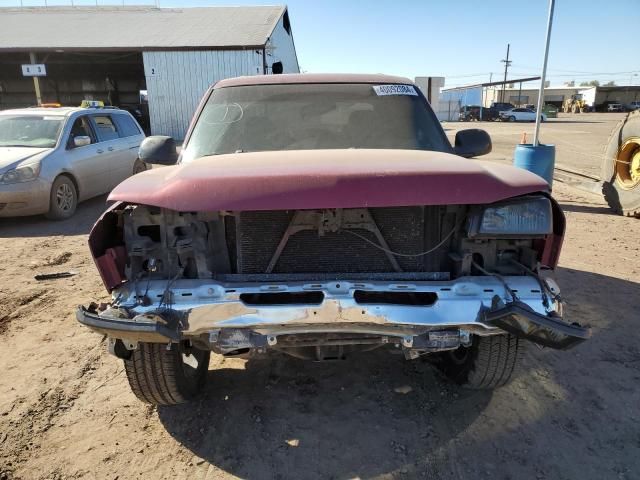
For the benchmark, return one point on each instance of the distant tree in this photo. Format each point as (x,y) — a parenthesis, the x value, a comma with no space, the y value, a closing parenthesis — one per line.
(610,84)
(592,83)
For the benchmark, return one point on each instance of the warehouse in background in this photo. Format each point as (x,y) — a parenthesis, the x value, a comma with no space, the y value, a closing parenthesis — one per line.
(596,98)
(128,56)
(454,101)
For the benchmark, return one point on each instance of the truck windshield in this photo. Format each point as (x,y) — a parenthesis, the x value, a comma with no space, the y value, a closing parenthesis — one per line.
(314,116)
(36,131)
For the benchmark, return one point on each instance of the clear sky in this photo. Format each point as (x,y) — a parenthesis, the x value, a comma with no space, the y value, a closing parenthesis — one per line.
(462,40)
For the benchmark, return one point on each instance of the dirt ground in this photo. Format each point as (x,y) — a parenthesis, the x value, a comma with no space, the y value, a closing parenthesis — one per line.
(579,138)
(66,410)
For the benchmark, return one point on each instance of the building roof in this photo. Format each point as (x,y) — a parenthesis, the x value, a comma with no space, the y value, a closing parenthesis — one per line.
(136,28)
(312,78)
(490,84)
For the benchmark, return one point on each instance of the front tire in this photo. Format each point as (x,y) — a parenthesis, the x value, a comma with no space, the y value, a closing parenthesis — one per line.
(512,118)
(162,376)
(488,363)
(63,199)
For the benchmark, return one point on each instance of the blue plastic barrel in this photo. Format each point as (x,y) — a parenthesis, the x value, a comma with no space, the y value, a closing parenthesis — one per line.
(539,160)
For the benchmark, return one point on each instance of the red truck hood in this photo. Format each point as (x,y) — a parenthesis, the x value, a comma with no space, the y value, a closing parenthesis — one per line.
(311,179)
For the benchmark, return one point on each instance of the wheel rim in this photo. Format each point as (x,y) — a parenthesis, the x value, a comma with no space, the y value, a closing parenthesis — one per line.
(628,164)
(64,197)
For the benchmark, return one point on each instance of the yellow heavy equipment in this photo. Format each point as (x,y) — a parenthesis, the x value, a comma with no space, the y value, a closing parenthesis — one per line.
(575,104)
(621,167)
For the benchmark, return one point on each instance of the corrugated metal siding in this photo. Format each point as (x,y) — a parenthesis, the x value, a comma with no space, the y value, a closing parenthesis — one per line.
(283,49)
(176,81)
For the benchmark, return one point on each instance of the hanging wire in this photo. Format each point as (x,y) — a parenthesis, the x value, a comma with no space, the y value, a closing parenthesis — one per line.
(397,254)
(511,293)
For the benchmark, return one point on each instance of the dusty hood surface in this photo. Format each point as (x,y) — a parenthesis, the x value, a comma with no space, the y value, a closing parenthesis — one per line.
(12,155)
(326,179)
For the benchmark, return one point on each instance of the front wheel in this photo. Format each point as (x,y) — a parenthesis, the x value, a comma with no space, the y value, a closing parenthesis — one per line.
(63,199)
(488,363)
(166,376)
(512,118)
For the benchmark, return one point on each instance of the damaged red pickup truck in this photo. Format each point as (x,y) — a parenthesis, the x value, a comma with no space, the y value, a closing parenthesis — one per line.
(320,216)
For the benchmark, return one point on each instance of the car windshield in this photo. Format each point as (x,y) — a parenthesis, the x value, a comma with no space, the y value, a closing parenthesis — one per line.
(37,131)
(314,116)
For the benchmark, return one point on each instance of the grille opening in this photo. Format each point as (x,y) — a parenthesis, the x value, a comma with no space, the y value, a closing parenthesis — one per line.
(282,298)
(395,298)
(151,231)
(257,235)
(183,231)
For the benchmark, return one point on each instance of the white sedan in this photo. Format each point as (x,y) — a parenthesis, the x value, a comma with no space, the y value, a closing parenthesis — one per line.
(520,115)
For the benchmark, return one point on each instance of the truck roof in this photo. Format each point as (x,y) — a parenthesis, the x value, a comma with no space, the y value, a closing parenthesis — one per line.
(301,78)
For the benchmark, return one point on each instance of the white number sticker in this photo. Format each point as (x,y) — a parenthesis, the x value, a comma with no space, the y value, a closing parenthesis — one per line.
(395,90)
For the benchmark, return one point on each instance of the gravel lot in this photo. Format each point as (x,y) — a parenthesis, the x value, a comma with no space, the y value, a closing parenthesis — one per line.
(67,412)
(579,138)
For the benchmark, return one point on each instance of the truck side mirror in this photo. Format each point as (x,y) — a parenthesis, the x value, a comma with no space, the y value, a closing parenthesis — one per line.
(159,150)
(472,142)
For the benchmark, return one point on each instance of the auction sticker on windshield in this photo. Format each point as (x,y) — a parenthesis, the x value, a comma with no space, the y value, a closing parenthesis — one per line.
(395,90)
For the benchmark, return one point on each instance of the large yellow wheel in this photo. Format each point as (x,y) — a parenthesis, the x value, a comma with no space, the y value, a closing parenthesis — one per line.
(628,164)
(621,167)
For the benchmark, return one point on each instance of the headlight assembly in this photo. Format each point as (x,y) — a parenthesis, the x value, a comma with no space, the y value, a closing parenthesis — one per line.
(22,173)
(522,217)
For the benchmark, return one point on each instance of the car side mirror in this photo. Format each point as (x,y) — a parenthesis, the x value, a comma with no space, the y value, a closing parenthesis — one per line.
(472,143)
(81,141)
(158,150)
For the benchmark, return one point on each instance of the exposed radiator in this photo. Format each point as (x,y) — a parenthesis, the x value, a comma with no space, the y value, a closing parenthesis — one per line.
(411,230)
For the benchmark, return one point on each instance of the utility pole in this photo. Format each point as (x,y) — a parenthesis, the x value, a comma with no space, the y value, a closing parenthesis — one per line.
(536,132)
(36,80)
(507,64)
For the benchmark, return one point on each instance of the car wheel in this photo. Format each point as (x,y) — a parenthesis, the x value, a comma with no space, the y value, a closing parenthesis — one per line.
(162,376)
(63,199)
(488,363)
(139,166)
(512,118)
(621,167)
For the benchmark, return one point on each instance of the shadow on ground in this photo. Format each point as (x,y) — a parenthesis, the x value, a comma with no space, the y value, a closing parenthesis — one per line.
(346,417)
(587,208)
(559,419)
(38,226)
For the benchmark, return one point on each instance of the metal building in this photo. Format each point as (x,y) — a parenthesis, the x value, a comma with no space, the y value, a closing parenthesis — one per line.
(595,97)
(454,100)
(127,56)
